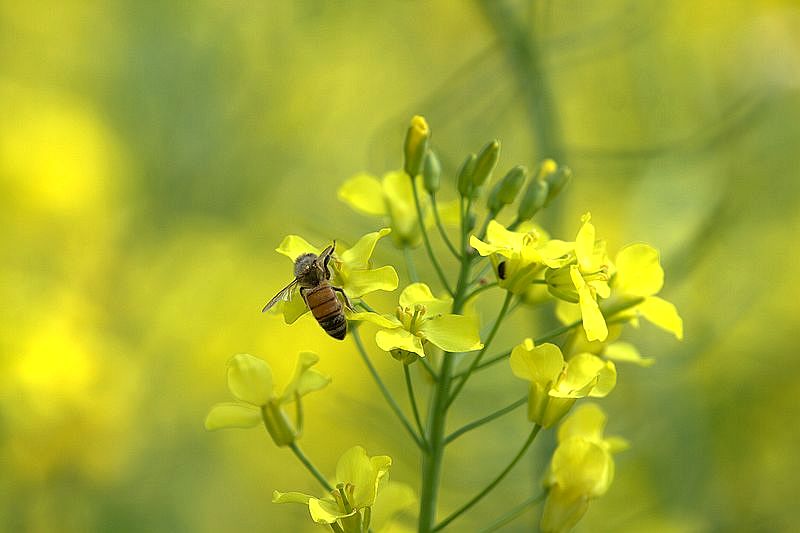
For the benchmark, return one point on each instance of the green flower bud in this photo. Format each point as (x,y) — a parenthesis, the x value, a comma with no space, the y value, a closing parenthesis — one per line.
(465,175)
(534,199)
(560,285)
(416,145)
(557,181)
(505,191)
(277,424)
(487,160)
(404,356)
(431,171)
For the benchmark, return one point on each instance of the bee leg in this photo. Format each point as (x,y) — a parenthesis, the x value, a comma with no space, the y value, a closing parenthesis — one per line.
(347,301)
(328,253)
(303,295)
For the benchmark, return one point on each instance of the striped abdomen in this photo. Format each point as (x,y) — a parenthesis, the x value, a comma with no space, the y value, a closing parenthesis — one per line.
(327,309)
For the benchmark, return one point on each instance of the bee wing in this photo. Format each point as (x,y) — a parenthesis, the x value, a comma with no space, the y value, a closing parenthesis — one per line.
(284,294)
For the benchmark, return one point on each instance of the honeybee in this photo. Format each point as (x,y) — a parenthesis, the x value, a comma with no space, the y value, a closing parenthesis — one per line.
(312,275)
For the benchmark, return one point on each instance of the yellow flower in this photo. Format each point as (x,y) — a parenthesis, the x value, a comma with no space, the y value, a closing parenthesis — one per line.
(250,381)
(584,279)
(582,468)
(421,317)
(519,257)
(351,270)
(359,480)
(555,384)
(639,274)
(392,198)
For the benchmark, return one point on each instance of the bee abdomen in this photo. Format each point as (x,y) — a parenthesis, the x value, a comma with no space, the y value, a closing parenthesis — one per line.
(327,310)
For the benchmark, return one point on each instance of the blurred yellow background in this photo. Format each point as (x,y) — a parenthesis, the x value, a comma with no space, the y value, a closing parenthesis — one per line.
(153,155)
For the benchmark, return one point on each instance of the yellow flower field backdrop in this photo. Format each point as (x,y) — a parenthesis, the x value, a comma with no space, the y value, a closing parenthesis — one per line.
(153,156)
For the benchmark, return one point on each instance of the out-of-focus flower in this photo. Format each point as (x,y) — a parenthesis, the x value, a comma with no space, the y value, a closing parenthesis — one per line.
(250,381)
(555,384)
(582,468)
(639,274)
(359,480)
(351,270)
(391,197)
(519,257)
(422,318)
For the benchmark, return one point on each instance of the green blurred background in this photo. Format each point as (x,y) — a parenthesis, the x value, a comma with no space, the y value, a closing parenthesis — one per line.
(153,155)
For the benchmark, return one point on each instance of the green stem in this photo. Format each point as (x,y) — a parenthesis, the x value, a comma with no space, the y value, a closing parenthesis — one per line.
(478,497)
(442,231)
(412,270)
(476,361)
(426,240)
(386,394)
(514,513)
(428,368)
(480,289)
(413,400)
(310,466)
(486,419)
(432,461)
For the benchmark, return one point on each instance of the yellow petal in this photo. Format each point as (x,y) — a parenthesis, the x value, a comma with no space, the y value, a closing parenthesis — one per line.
(401,207)
(662,314)
(582,466)
(326,511)
(639,271)
(392,499)
(362,282)
(626,352)
(388,340)
(587,421)
(358,256)
(293,245)
(305,379)
(450,212)
(539,364)
(290,497)
(453,333)
(293,308)
(582,375)
(232,415)
(486,249)
(364,193)
(384,321)
(594,324)
(419,293)
(606,381)
(364,473)
(250,379)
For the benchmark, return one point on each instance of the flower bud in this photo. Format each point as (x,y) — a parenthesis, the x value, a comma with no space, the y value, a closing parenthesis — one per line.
(560,284)
(556,182)
(486,161)
(404,356)
(533,200)
(465,175)
(416,145)
(505,191)
(431,171)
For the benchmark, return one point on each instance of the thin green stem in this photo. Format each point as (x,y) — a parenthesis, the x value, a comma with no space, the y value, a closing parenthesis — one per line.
(426,240)
(481,272)
(478,497)
(432,462)
(366,306)
(386,394)
(476,361)
(410,267)
(514,513)
(310,466)
(413,400)
(428,368)
(480,289)
(486,419)
(336,528)
(442,231)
